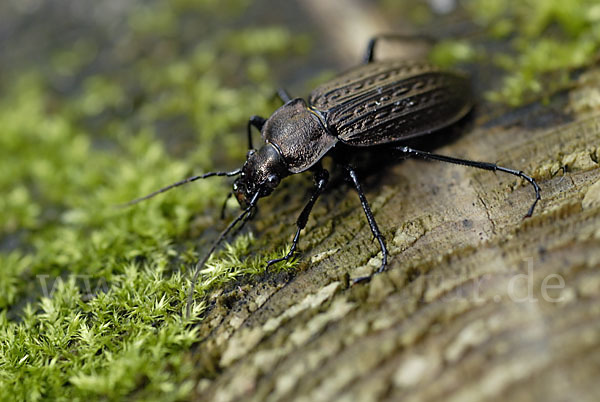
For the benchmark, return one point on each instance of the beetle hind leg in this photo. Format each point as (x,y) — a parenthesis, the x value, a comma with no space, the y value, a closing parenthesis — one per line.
(480,165)
(426,44)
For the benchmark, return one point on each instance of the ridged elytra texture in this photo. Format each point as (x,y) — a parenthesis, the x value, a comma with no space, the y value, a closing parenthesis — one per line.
(384,102)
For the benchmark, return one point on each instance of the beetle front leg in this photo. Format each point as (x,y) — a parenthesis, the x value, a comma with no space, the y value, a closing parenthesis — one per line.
(321,179)
(372,223)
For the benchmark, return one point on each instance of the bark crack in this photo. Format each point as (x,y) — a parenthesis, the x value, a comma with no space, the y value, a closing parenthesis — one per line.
(487,212)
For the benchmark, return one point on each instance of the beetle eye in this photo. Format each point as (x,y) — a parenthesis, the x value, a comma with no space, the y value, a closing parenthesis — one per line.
(250,153)
(273,180)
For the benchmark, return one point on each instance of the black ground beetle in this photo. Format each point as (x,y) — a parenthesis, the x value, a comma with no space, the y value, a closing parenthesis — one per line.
(379,102)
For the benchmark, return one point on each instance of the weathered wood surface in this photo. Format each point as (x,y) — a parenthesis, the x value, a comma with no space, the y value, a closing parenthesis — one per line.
(471,307)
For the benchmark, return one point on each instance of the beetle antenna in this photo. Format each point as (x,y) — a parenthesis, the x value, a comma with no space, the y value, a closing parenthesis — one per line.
(182,182)
(244,216)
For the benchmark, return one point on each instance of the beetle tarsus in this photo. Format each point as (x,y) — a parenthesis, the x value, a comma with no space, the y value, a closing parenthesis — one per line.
(384,255)
(290,253)
(362,279)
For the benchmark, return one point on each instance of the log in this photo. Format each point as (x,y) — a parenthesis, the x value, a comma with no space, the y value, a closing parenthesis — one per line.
(477,303)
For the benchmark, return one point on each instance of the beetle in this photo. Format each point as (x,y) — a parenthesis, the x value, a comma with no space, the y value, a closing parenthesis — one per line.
(379,103)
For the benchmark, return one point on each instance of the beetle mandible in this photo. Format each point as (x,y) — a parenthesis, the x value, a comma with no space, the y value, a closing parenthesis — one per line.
(377,103)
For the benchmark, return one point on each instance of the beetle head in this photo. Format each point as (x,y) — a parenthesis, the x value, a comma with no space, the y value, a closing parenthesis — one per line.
(261,173)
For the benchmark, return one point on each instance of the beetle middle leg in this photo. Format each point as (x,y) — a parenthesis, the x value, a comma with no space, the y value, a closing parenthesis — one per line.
(479,165)
(284,95)
(321,179)
(372,223)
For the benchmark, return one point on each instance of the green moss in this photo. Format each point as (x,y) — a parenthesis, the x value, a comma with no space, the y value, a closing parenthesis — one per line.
(450,52)
(542,68)
(92,295)
(548,39)
(68,62)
